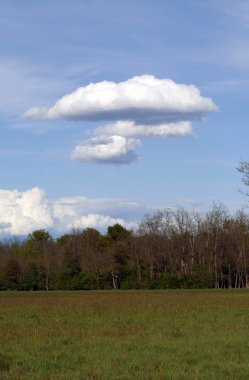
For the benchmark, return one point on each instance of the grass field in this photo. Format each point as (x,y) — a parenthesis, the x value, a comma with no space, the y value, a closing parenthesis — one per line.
(125,335)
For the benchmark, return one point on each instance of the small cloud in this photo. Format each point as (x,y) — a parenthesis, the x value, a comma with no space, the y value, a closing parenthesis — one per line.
(106,149)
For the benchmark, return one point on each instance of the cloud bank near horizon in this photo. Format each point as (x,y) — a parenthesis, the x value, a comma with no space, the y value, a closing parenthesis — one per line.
(23,212)
(142,106)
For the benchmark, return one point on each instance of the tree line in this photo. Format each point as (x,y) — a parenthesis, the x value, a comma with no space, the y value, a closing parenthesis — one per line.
(171,248)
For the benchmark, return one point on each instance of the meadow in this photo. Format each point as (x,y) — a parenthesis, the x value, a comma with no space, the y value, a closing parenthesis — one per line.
(178,334)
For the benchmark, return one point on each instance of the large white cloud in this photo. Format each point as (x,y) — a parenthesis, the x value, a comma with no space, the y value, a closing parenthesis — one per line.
(23,212)
(131,129)
(141,97)
(106,149)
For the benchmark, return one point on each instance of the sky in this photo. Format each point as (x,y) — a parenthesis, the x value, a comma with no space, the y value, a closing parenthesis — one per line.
(110,109)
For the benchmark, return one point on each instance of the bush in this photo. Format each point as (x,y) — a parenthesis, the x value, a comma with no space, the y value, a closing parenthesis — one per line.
(82,281)
(165,281)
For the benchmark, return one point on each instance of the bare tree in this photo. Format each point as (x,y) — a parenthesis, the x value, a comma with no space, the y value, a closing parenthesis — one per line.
(243,168)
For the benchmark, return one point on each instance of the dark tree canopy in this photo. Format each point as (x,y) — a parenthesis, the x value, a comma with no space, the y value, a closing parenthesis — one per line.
(39,235)
(117,232)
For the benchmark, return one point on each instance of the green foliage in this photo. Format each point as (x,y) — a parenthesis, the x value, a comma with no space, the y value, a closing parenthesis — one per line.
(117,232)
(2,281)
(12,274)
(63,240)
(82,281)
(39,236)
(37,242)
(33,278)
(200,278)
(131,281)
(165,281)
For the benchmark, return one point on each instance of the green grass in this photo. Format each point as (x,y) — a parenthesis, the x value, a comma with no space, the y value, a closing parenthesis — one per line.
(124,335)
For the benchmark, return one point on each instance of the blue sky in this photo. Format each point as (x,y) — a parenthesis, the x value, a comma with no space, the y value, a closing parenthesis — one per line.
(51,48)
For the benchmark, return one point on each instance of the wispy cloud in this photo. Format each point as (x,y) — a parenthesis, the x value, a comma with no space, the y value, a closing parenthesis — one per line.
(23,82)
(237,11)
(131,129)
(227,85)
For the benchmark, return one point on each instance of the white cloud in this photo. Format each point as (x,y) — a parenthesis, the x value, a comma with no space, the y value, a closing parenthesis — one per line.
(100,222)
(23,212)
(131,129)
(106,149)
(139,98)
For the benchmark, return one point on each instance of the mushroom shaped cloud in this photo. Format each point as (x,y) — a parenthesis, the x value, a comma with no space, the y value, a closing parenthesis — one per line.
(142,106)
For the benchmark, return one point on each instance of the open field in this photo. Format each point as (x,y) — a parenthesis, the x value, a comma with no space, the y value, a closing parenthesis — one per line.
(125,335)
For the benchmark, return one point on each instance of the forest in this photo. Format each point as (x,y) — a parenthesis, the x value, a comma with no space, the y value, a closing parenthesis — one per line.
(171,248)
